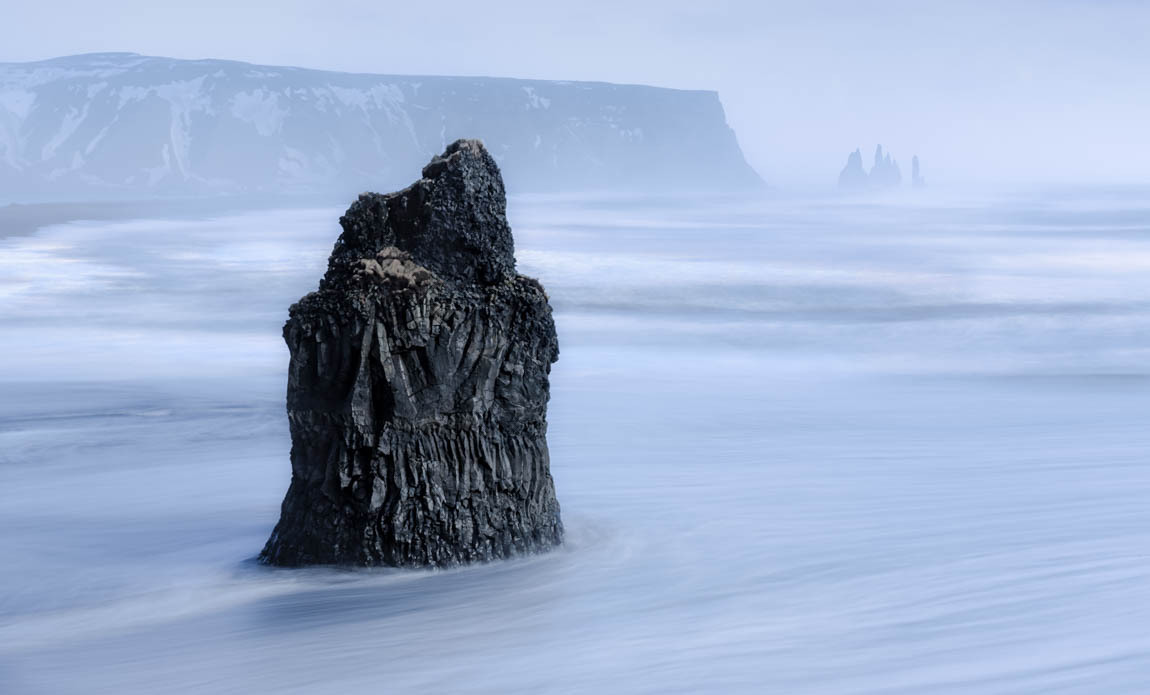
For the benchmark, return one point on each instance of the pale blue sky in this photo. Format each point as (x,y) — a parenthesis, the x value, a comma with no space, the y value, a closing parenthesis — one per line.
(1001,91)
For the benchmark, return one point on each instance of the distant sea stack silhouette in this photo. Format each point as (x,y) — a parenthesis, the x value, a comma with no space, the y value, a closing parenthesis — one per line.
(853,176)
(418,385)
(884,173)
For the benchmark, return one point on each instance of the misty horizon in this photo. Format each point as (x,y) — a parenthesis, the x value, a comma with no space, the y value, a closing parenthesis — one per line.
(987,93)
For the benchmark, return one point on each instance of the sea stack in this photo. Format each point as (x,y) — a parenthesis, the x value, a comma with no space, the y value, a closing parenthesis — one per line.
(916,178)
(853,176)
(418,385)
(884,174)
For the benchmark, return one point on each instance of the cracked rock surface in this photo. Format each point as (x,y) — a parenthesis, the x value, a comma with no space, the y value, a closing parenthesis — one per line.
(418,385)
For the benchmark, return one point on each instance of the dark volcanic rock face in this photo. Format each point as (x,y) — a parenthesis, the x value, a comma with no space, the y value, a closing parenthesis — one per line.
(418,385)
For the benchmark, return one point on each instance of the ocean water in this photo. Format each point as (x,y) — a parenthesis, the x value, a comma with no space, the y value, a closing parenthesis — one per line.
(801,445)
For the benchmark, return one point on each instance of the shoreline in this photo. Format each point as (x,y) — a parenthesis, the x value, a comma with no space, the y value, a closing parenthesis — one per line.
(25,219)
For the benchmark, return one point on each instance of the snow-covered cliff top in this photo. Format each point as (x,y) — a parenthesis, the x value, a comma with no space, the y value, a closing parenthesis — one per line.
(121,123)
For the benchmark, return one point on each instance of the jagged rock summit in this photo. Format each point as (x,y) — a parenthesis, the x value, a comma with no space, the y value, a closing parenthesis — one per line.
(418,385)
(853,176)
(884,174)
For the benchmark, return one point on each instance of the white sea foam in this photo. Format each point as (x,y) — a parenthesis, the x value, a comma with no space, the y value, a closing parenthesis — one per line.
(801,447)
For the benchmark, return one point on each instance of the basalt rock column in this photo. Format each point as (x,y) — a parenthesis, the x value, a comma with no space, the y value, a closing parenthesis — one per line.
(418,385)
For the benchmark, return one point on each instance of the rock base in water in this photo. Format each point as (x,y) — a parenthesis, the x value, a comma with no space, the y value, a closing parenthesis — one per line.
(418,385)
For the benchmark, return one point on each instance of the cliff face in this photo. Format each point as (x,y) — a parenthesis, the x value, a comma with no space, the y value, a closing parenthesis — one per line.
(127,124)
(418,385)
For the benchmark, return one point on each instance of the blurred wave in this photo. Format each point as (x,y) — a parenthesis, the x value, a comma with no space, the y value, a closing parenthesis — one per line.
(802,446)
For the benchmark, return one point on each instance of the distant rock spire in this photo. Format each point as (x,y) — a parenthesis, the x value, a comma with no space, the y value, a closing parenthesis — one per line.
(853,176)
(885,173)
(916,178)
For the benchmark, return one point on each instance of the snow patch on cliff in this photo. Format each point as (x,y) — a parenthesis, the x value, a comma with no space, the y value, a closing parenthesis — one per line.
(262,109)
(72,121)
(17,102)
(534,101)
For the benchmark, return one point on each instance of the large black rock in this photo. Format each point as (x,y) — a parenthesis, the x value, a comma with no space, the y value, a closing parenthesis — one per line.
(418,384)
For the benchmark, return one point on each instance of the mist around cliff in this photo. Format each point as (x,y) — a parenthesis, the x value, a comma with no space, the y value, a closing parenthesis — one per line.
(124,126)
(1002,93)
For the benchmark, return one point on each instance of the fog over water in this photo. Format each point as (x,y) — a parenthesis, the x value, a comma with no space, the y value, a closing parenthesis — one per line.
(802,446)
(1012,91)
